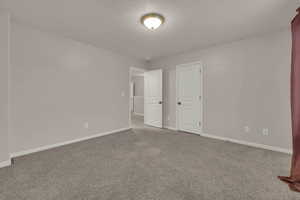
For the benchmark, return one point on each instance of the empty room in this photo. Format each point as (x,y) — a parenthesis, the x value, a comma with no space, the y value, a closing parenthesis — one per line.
(149,100)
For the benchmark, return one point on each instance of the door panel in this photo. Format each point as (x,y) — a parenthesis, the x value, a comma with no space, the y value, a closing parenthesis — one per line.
(189,97)
(153,98)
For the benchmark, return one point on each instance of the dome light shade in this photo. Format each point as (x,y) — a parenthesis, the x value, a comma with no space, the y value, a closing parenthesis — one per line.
(152,20)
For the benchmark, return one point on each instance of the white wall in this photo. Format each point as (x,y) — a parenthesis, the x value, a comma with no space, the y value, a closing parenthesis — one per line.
(138,85)
(58,84)
(246,83)
(138,94)
(4,81)
(138,105)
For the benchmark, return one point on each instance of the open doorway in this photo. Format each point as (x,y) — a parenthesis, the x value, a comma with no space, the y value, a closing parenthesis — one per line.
(136,105)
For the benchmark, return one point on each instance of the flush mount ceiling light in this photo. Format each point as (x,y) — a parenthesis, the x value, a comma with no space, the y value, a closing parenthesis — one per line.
(152,20)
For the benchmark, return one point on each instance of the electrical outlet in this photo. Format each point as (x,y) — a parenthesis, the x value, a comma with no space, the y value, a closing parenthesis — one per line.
(168,118)
(265,131)
(247,129)
(86,125)
(123,94)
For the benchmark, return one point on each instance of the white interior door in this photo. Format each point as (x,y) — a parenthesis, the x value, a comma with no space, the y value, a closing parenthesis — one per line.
(189,97)
(153,98)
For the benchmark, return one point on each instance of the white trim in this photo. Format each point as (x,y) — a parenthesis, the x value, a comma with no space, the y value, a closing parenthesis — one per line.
(138,75)
(139,114)
(170,128)
(5,163)
(9,139)
(138,69)
(129,90)
(51,146)
(201,92)
(251,144)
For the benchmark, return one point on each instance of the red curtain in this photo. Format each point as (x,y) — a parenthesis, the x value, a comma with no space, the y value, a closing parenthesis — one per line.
(294,179)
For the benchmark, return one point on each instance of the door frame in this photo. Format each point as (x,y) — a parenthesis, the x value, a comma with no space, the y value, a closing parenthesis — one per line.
(131,69)
(201,93)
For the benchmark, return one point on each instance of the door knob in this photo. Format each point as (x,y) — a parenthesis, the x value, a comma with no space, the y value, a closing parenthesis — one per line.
(160,102)
(179,103)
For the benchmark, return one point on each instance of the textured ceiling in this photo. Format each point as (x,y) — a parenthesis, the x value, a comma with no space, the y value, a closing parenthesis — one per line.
(190,24)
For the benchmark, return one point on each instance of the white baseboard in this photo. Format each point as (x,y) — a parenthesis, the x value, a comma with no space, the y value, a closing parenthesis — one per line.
(251,144)
(139,114)
(43,148)
(171,128)
(5,163)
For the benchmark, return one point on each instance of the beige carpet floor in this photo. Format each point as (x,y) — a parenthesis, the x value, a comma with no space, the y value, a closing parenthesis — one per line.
(148,164)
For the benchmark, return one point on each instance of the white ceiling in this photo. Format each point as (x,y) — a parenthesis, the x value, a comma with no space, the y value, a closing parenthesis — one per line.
(190,24)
